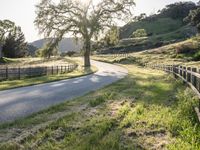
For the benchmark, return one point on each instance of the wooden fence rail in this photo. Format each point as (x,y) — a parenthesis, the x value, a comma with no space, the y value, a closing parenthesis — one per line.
(27,72)
(189,75)
(115,55)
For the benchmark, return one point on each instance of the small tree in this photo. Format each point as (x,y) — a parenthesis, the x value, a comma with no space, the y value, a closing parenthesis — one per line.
(15,45)
(112,36)
(139,33)
(47,51)
(85,19)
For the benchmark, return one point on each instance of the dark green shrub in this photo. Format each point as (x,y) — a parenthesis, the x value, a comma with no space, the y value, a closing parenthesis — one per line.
(189,48)
(196,57)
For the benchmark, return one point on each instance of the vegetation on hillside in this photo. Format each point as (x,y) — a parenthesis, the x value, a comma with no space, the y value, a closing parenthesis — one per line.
(163,28)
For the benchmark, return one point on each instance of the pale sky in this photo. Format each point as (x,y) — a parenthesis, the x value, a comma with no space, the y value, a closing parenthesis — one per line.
(22,12)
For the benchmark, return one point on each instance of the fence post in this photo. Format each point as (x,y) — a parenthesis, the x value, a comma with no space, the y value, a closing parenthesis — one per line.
(184,73)
(52,70)
(175,70)
(188,74)
(6,72)
(181,71)
(194,78)
(57,69)
(19,72)
(46,71)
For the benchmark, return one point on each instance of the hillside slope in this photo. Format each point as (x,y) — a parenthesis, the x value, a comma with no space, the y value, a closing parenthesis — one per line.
(67,44)
(160,32)
(153,27)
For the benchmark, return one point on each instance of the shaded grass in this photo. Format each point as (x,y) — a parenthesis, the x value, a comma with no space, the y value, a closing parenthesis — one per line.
(146,110)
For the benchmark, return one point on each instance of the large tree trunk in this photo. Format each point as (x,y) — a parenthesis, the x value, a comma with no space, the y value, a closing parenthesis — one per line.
(87,50)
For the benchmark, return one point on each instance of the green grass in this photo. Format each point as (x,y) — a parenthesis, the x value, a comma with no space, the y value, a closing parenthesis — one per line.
(9,84)
(146,110)
(7,60)
(157,26)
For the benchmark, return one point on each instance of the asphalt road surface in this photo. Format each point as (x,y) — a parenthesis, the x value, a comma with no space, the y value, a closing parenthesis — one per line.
(21,102)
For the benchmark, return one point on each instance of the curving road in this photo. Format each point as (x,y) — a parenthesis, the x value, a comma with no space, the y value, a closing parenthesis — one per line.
(21,102)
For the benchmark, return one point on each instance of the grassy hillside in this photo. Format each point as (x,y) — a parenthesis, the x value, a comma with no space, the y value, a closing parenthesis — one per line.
(154,27)
(185,53)
(160,32)
(65,45)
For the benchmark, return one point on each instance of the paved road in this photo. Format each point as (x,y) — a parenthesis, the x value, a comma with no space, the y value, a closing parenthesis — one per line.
(21,102)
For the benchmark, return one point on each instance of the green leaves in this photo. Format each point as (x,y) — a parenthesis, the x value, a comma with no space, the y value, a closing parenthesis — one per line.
(194,18)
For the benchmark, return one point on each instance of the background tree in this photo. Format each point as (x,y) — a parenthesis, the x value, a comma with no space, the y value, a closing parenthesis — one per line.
(15,45)
(6,26)
(178,10)
(112,37)
(139,33)
(194,18)
(85,19)
(48,50)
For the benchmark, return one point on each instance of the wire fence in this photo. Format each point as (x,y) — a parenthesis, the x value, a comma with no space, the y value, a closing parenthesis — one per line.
(8,73)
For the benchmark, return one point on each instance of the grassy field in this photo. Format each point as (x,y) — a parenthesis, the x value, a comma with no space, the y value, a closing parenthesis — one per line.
(182,53)
(32,62)
(146,110)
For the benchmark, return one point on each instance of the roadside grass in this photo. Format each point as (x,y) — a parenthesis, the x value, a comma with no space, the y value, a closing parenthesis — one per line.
(29,61)
(10,84)
(146,110)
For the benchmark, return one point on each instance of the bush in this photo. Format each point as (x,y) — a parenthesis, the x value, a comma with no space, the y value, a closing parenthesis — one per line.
(139,33)
(196,57)
(188,48)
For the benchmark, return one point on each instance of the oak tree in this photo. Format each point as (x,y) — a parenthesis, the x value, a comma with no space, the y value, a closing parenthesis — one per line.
(85,19)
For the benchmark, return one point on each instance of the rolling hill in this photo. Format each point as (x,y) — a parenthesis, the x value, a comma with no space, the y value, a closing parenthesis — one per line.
(67,44)
(163,28)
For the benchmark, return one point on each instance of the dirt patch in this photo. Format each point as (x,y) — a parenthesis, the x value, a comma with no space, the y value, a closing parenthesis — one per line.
(18,135)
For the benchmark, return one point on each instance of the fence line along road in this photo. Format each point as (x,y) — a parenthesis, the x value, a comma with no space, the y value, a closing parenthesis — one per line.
(189,75)
(27,72)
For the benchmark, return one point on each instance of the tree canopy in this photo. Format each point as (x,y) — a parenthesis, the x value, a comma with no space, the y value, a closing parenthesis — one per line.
(12,40)
(80,19)
(194,17)
(178,10)
(15,45)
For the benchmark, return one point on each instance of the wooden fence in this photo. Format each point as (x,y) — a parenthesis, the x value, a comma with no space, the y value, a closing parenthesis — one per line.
(27,72)
(189,75)
(115,55)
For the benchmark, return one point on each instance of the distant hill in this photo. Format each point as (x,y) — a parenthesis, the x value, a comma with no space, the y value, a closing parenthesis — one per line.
(165,27)
(153,27)
(167,20)
(67,44)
